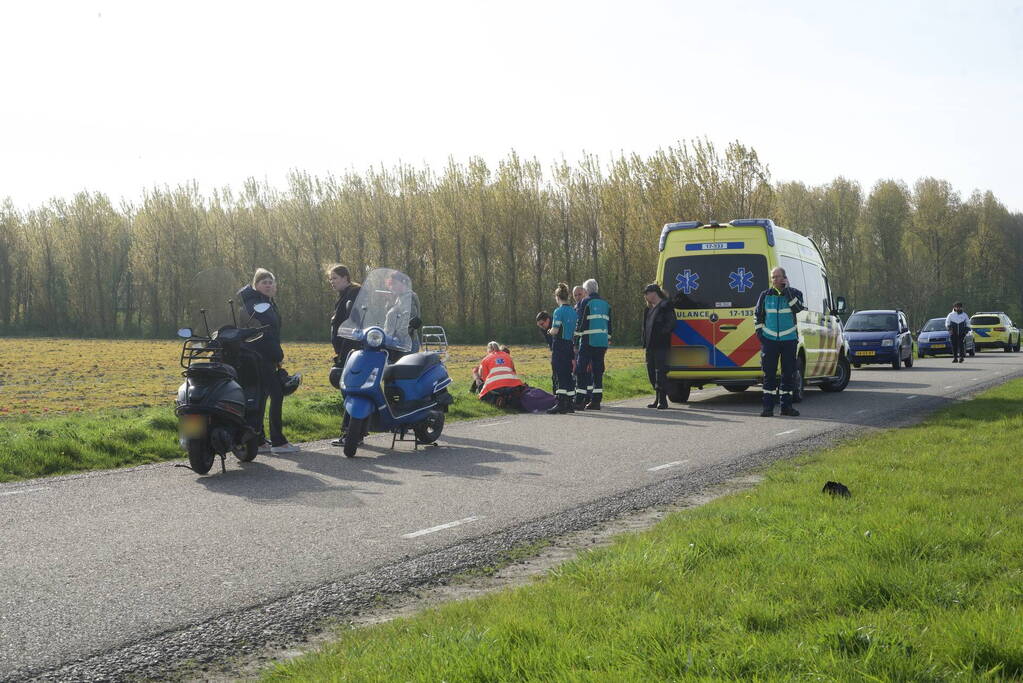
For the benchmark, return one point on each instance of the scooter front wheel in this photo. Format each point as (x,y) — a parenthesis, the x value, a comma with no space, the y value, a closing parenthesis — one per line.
(429,429)
(353,436)
(200,455)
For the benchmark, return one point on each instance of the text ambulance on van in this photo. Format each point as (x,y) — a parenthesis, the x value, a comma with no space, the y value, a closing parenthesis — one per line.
(714,274)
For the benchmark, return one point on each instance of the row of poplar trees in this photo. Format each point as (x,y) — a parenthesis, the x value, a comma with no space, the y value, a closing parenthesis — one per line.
(485,246)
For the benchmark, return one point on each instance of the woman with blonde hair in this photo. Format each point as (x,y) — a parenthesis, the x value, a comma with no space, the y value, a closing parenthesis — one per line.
(262,290)
(561,332)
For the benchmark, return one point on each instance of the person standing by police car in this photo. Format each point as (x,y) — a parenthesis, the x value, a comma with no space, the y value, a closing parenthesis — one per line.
(957,322)
(776,312)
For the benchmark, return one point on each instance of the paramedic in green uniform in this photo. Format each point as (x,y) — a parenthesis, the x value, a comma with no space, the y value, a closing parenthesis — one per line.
(593,331)
(562,352)
(776,328)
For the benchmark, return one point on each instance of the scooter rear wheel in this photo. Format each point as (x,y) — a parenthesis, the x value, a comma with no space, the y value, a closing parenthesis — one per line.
(429,429)
(353,435)
(200,455)
(249,450)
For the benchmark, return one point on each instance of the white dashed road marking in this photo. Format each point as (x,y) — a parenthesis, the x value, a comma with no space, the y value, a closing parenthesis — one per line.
(789,431)
(32,490)
(494,424)
(666,465)
(859,412)
(440,527)
(910,398)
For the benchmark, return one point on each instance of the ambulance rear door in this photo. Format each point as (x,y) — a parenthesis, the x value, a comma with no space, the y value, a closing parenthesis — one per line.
(717,283)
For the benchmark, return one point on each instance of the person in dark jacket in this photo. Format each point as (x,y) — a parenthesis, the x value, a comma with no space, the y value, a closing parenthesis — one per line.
(340,279)
(658,323)
(776,327)
(262,290)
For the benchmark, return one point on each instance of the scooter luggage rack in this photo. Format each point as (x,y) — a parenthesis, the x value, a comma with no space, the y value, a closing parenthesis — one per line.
(199,350)
(434,339)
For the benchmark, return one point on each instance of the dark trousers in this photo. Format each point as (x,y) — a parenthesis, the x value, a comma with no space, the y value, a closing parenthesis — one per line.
(958,344)
(589,370)
(657,368)
(770,352)
(561,363)
(273,391)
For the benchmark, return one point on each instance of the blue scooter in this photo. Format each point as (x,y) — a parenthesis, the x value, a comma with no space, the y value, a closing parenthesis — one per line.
(409,393)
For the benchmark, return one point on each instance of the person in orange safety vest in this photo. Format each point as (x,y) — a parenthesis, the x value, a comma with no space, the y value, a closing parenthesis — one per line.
(496,375)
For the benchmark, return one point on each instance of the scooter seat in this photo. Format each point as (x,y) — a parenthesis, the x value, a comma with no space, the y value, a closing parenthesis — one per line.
(411,366)
(208,369)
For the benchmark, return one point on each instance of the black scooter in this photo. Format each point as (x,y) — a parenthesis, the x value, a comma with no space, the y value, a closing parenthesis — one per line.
(218,403)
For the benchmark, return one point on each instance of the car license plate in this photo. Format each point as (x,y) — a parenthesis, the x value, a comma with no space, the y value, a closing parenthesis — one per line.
(866,353)
(192,426)
(937,346)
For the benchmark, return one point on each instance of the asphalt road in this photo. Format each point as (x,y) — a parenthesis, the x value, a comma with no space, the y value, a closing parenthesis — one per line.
(95,563)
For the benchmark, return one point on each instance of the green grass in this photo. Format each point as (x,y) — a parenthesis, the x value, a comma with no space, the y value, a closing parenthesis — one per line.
(42,446)
(918,576)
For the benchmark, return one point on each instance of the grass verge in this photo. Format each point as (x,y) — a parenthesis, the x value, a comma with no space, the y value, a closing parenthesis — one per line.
(42,446)
(918,576)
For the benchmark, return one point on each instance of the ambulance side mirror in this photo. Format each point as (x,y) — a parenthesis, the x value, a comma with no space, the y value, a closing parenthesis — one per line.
(840,305)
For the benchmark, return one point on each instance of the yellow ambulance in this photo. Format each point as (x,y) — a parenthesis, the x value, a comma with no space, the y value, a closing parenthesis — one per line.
(714,273)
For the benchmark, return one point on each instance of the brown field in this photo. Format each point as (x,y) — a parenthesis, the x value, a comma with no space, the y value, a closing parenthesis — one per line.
(40,376)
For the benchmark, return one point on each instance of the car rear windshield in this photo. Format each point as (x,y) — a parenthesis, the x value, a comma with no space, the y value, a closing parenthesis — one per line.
(872,322)
(985,320)
(934,325)
(716,280)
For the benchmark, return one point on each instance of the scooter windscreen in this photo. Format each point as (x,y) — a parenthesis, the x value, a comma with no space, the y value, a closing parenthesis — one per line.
(211,290)
(385,301)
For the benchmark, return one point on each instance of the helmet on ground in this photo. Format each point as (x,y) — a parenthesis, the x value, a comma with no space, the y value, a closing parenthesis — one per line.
(289,382)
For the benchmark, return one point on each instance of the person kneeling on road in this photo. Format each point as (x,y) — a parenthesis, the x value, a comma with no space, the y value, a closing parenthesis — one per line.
(495,376)
(776,328)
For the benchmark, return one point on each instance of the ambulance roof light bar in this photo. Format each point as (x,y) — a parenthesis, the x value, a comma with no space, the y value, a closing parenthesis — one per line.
(766,223)
(671,227)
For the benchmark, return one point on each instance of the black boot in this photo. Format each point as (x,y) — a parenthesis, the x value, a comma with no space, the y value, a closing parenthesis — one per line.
(580,401)
(662,400)
(768,410)
(569,405)
(657,399)
(594,403)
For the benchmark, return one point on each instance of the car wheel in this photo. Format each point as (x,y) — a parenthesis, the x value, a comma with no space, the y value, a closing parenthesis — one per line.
(678,391)
(842,375)
(909,360)
(856,365)
(896,364)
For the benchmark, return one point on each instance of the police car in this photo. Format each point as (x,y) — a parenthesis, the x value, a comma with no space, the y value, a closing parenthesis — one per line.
(994,330)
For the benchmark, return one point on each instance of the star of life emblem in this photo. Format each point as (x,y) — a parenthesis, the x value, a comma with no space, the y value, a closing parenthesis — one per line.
(740,280)
(687,281)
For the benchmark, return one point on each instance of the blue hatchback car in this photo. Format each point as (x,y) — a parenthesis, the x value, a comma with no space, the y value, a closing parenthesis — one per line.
(879,337)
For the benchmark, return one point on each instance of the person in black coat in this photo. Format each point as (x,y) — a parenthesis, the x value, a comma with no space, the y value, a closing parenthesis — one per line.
(658,322)
(262,290)
(340,279)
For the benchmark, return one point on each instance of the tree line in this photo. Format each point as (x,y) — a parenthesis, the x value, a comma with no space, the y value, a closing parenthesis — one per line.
(485,245)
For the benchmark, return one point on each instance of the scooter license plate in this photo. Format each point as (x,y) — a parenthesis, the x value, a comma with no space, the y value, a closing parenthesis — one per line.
(192,426)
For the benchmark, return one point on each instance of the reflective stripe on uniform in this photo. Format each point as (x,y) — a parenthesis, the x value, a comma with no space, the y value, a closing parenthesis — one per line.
(793,302)
(598,316)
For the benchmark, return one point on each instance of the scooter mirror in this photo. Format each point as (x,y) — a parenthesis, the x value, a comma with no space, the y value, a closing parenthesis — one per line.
(261,308)
(255,337)
(185,332)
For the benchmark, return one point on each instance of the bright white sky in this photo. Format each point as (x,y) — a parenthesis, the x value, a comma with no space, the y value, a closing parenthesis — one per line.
(118,96)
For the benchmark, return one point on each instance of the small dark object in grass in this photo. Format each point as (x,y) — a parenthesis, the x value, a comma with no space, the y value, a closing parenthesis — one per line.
(836,489)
